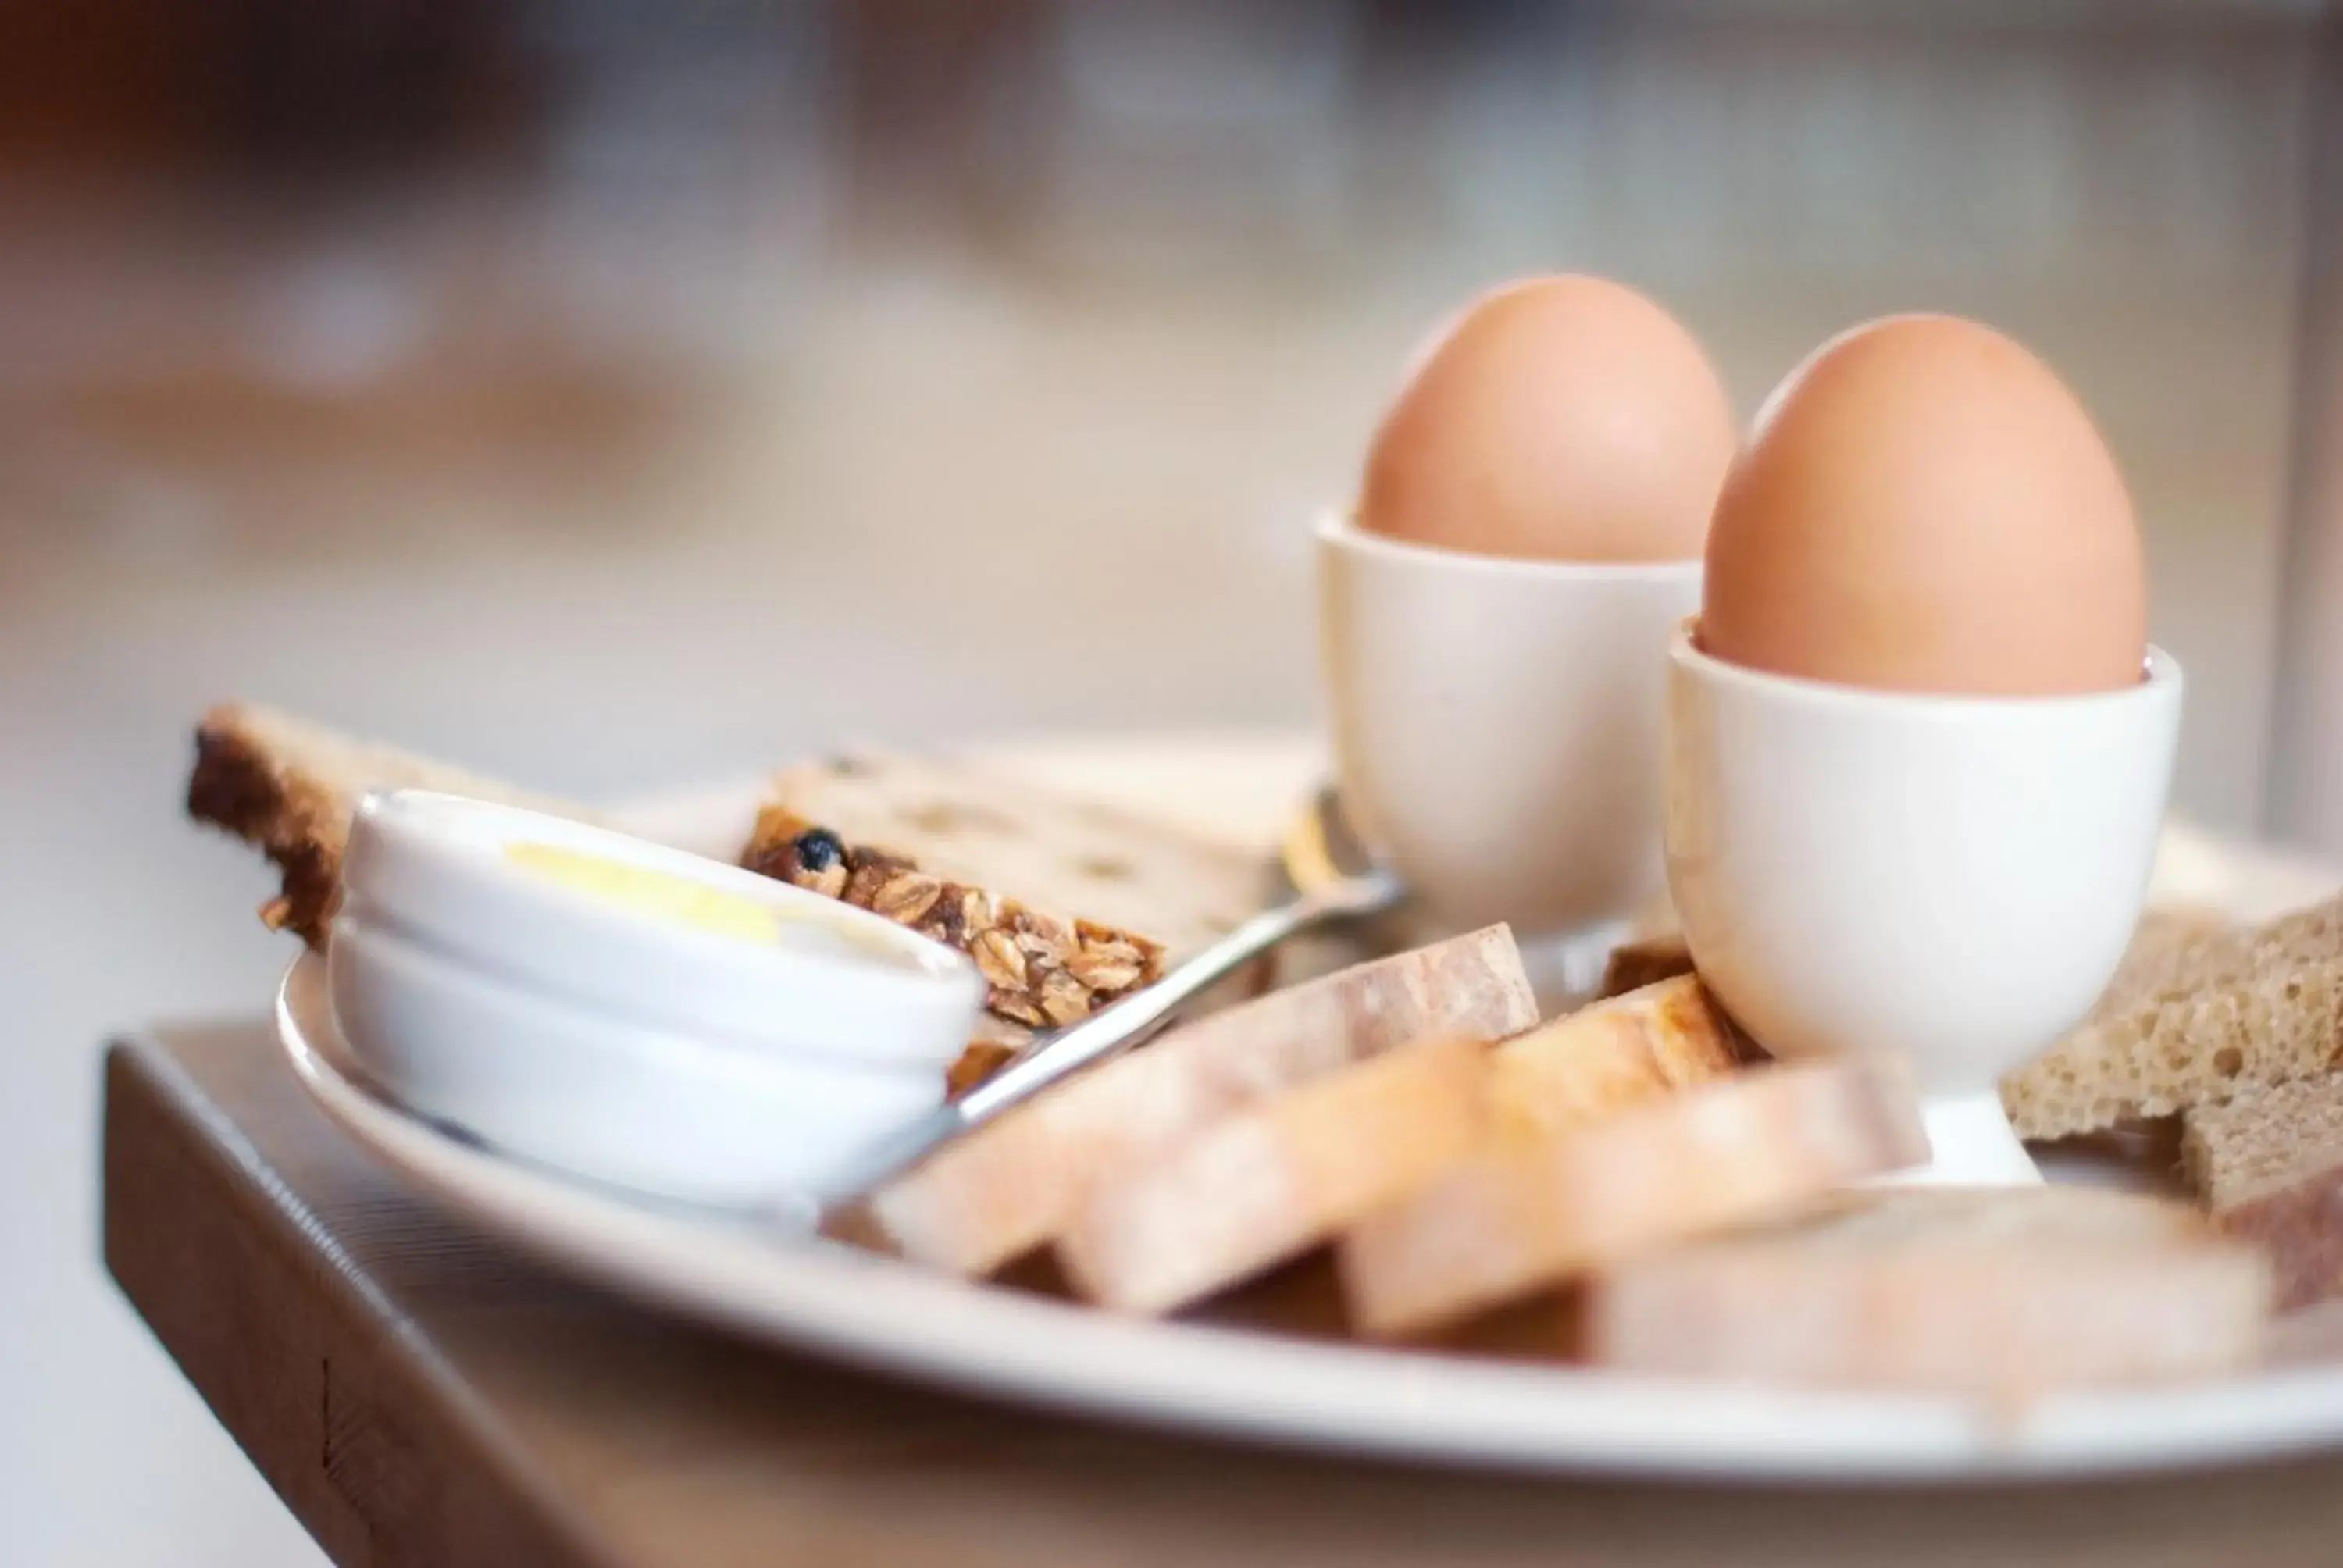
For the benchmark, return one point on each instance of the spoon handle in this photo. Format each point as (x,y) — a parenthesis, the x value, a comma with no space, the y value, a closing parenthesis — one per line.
(1113,1029)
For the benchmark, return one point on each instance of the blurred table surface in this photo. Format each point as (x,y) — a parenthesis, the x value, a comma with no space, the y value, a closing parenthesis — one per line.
(418,1393)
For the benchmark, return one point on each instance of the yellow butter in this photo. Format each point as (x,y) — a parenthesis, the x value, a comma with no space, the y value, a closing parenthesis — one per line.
(660,894)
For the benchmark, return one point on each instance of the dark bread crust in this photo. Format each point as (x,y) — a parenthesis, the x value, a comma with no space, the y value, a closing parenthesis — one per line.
(289,788)
(1646,962)
(234,787)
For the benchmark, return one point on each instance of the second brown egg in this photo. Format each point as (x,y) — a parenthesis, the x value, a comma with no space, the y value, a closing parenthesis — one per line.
(1923,505)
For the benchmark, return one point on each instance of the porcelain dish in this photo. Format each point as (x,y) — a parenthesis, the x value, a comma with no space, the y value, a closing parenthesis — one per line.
(631,1046)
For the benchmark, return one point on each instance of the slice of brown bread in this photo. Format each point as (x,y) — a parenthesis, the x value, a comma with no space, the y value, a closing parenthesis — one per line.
(2269,1168)
(1267,1183)
(1527,1215)
(2003,1294)
(2198,1011)
(1010,1187)
(289,788)
(1063,903)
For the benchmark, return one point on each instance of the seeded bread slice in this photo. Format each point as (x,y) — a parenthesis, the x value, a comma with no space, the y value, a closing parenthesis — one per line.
(289,788)
(2269,1168)
(1064,904)
(2002,1294)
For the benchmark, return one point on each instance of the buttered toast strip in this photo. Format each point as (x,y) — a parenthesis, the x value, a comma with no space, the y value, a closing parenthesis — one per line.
(2001,1293)
(1610,1056)
(1265,1184)
(2269,1167)
(1533,1214)
(1010,1187)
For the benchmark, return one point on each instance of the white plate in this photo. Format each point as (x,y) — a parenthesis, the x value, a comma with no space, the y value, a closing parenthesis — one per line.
(829,1300)
(1228,1382)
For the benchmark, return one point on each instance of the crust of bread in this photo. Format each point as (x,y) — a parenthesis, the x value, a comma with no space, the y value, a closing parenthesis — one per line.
(2003,1294)
(297,824)
(1646,961)
(1610,1056)
(1263,1184)
(1011,1186)
(289,788)
(1523,1217)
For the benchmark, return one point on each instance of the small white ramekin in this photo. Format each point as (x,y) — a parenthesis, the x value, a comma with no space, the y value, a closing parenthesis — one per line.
(1951,879)
(582,1033)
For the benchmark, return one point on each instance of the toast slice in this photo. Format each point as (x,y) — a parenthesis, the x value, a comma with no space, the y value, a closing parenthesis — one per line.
(2199,1012)
(289,788)
(2269,1168)
(1525,1216)
(1268,1182)
(1012,1186)
(2003,1294)
(1262,1185)
(1611,1056)
(1064,904)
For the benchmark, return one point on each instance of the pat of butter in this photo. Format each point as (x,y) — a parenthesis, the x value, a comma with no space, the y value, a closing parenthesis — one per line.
(660,894)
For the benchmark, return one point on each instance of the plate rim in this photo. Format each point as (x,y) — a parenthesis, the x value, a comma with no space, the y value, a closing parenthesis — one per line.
(1231,1384)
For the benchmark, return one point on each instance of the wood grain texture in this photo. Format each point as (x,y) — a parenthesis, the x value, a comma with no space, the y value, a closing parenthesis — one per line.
(420,1395)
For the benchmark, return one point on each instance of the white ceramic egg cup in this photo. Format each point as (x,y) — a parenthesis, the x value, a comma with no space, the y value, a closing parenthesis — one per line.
(1951,879)
(585,1035)
(1496,728)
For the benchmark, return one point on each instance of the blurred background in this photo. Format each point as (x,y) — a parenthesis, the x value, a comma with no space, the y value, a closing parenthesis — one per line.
(611,395)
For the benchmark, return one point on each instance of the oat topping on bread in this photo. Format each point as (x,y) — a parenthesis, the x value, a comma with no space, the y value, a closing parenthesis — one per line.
(1064,904)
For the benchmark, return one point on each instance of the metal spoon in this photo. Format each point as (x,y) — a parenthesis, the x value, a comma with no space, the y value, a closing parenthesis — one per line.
(1333,880)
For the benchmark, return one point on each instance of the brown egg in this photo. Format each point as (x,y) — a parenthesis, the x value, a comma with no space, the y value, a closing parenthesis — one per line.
(1923,505)
(1562,418)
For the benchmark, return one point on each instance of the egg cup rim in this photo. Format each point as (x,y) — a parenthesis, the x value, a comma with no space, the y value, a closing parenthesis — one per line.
(1339,526)
(2161,680)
